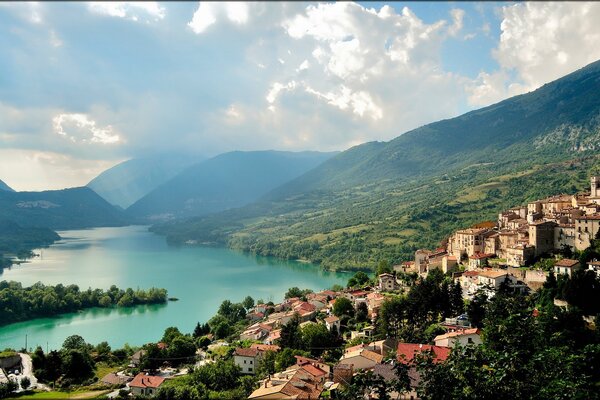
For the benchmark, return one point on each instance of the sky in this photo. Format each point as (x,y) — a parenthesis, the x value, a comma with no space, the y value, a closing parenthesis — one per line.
(84,86)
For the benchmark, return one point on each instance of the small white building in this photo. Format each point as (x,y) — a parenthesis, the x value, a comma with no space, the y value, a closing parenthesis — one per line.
(464,337)
(566,266)
(332,322)
(246,359)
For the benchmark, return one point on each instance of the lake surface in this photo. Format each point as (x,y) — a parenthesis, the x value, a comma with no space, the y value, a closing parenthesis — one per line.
(133,257)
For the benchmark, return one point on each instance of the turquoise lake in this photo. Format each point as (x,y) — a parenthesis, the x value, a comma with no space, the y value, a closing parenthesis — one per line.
(200,277)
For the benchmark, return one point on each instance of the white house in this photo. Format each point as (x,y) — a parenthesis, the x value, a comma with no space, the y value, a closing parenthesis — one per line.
(246,359)
(566,266)
(463,336)
(332,322)
(145,385)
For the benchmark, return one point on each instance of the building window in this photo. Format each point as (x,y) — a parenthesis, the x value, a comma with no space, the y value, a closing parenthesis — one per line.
(244,361)
(250,369)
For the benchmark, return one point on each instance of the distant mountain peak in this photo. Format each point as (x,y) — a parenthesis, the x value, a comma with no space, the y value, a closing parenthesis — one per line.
(5,187)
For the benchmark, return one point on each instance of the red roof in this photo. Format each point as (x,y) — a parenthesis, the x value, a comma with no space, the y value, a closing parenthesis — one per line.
(313,370)
(246,352)
(265,347)
(565,262)
(406,352)
(479,256)
(142,380)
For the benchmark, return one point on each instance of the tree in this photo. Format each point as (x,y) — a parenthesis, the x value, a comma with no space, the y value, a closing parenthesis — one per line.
(392,317)
(248,302)
(457,305)
(291,337)
(362,312)
(316,338)
(171,333)
(77,365)
(343,306)
(287,357)
(25,383)
(54,366)
(74,342)
(359,279)
(476,309)
(182,349)
(383,267)
(201,330)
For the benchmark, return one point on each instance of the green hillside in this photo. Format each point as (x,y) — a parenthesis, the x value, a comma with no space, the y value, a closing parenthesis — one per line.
(129,181)
(228,180)
(384,200)
(60,209)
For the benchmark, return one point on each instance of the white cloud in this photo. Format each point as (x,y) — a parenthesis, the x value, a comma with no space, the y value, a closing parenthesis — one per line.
(43,170)
(131,10)
(540,42)
(80,128)
(208,12)
(457,21)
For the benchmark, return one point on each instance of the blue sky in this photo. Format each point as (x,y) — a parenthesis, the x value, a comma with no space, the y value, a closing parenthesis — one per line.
(84,86)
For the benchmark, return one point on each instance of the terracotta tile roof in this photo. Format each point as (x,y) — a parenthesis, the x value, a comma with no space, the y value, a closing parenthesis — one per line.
(462,332)
(313,370)
(265,347)
(331,319)
(142,380)
(479,256)
(245,352)
(406,352)
(565,262)
(492,274)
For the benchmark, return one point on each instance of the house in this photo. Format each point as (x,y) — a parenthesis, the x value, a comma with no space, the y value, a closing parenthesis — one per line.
(145,385)
(113,379)
(463,336)
(479,260)
(294,387)
(255,316)
(273,337)
(356,296)
(406,352)
(246,359)
(136,358)
(361,359)
(594,266)
(566,266)
(257,331)
(365,333)
(387,282)
(332,322)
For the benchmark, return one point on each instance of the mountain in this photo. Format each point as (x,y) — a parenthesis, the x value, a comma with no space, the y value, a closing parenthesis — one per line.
(5,187)
(129,181)
(383,200)
(16,239)
(60,209)
(226,181)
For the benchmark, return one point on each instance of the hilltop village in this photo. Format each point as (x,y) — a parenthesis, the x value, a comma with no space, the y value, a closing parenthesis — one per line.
(512,293)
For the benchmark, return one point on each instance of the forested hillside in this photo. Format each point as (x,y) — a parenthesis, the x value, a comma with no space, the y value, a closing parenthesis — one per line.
(60,209)
(388,199)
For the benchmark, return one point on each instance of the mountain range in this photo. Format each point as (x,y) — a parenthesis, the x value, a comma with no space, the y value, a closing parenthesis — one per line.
(226,181)
(386,199)
(129,181)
